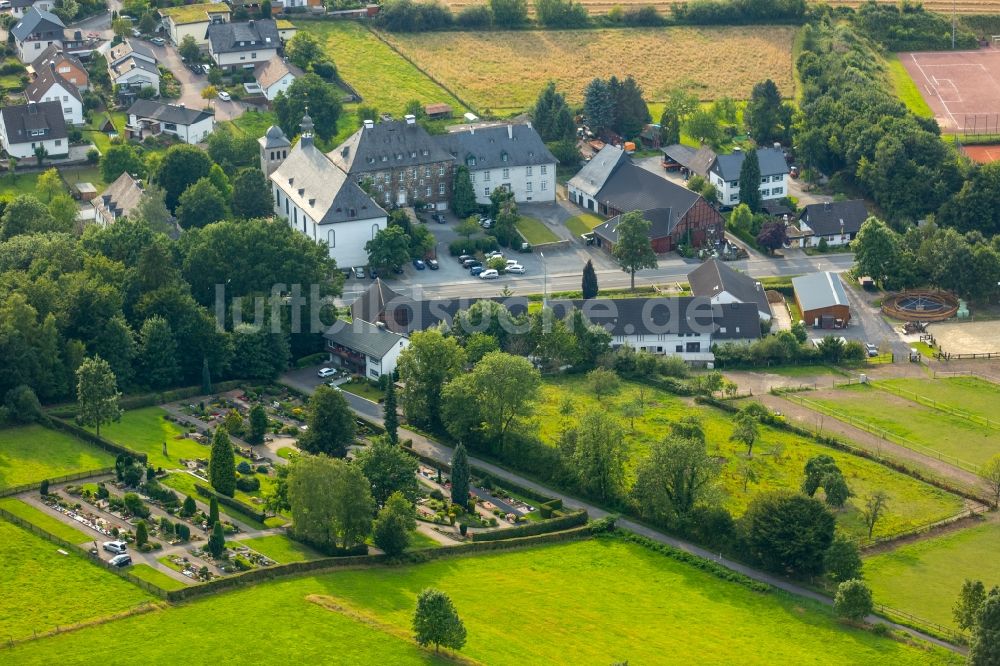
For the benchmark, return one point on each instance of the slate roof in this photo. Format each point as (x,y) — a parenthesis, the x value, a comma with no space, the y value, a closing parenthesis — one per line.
(591,178)
(319,188)
(128,64)
(274,138)
(122,196)
(128,48)
(489,146)
(679,153)
(714,277)
(660,227)
(387,145)
(37,21)
(631,187)
(270,72)
(363,337)
(45,78)
(819,290)
(702,161)
(247,36)
(662,315)
(772,163)
(54,55)
(825,218)
(167,113)
(19,119)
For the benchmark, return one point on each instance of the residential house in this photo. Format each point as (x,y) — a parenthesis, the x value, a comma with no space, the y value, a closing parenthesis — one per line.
(50,86)
(193,21)
(401,160)
(822,300)
(363,348)
(286,29)
(151,118)
(130,48)
(724,173)
(322,202)
(721,284)
(243,45)
(26,127)
(67,66)
(512,157)
(35,32)
(76,44)
(837,222)
(274,76)
(132,66)
(274,147)
(287,4)
(118,200)
(18,8)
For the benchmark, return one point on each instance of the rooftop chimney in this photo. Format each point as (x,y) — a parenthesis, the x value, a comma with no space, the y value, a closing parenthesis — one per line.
(410,119)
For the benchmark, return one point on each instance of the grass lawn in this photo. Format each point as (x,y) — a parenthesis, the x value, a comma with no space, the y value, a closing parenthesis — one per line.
(634,604)
(912,502)
(254,123)
(90,174)
(506,70)
(281,549)
(287,452)
(969,394)
(535,231)
(421,540)
(40,519)
(21,183)
(363,389)
(924,577)
(146,430)
(582,224)
(905,87)
(358,53)
(44,589)
(157,578)
(184,484)
(29,454)
(924,426)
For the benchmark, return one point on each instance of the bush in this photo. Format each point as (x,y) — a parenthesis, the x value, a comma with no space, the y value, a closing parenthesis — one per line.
(134,505)
(93,156)
(473,245)
(141,534)
(244,467)
(574,519)
(642,17)
(43,489)
(248,484)
(183,531)
(853,600)
(262,469)
(475,17)
(326,70)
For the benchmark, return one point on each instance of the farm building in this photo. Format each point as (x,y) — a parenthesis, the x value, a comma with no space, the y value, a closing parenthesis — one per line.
(822,300)
(687,160)
(436,111)
(721,284)
(838,222)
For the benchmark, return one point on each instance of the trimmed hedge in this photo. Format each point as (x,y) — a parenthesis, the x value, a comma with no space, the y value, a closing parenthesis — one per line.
(87,436)
(151,399)
(547,508)
(232,503)
(568,521)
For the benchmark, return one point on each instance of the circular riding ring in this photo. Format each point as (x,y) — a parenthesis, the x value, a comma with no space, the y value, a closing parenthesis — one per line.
(920,305)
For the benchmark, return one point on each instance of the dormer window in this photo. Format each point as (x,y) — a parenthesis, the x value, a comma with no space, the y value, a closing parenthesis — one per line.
(353,213)
(291,181)
(385,158)
(471,161)
(302,191)
(503,157)
(371,160)
(413,154)
(425,152)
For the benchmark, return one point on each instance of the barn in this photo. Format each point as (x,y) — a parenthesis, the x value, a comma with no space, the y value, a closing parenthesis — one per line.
(822,300)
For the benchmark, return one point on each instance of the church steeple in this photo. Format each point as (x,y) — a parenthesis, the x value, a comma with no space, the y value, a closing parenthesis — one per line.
(307,129)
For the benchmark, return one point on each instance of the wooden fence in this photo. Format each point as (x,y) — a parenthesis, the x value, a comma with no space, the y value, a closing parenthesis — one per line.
(934,404)
(76,476)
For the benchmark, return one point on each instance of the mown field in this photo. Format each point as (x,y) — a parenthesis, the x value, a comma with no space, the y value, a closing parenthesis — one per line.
(925,427)
(146,430)
(29,454)
(924,577)
(594,602)
(970,394)
(43,589)
(505,71)
(778,459)
(47,522)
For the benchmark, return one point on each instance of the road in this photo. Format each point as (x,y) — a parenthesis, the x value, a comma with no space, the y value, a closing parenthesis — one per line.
(425,446)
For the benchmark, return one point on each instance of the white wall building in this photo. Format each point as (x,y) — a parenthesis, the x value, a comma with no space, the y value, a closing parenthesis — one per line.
(36,31)
(50,86)
(193,21)
(275,76)
(364,348)
(132,66)
(243,45)
(724,173)
(25,127)
(583,188)
(18,8)
(150,118)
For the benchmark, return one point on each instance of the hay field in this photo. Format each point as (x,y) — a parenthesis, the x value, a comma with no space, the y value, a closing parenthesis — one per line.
(506,70)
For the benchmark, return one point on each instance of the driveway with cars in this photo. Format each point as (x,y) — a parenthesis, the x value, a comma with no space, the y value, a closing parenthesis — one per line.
(192,84)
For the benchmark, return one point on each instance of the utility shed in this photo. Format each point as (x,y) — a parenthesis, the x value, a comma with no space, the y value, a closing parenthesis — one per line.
(822,300)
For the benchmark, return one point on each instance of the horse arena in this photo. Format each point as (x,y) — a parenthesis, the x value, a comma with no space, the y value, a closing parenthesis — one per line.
(961,87)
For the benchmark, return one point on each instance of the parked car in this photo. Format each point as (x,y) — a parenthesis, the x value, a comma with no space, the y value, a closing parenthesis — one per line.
(398,270)
(486,224)
(136,32)
(359,272)
(433,264)
(464,258)
(419,264)
(476,270)
(495,254)
(439,218)
(469,263)
(159,41)
(372,273)
(224,96)
(205,68)
(326,372)
(347,273)
(195,67)
(515,268)
(116,547)
(489,274)
(513,262)
(871,349)
(123,560)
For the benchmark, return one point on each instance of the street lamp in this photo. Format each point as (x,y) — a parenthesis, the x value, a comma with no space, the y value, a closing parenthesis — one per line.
(545,281)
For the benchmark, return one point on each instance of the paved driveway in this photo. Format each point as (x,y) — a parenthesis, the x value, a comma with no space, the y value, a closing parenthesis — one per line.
(192,84)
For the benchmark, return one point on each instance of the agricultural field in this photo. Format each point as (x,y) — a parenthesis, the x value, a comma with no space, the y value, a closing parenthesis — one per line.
(509,69)
(924,577)
(926,428)
(976,396)
(44,589)
(778,459)
(521,607)
(30,454)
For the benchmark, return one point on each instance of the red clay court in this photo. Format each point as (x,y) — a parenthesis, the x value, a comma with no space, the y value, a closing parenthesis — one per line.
(983,154)
(961,87)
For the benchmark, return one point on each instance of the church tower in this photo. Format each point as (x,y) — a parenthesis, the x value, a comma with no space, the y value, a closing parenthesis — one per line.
(274,147)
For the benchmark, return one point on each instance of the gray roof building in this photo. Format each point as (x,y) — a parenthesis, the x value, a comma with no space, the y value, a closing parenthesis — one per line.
(54,55)
(772,163)
(630,187)
(46,77)
(249,36)
(363,337)
(274,137)
(497,146)
(715,277)
(119,199)
(42,121)
(591,178)
(392,144)
(694,160)
(167,113)
(129,48)
(837,217)
(819,290)
(38,24)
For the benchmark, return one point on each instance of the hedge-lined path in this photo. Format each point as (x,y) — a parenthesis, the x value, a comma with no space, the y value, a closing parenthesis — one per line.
(440,452)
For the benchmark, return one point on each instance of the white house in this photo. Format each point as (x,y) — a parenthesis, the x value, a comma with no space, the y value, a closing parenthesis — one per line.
(719,283)
(193,20)
(837,222)
(35,32)
(243,45)
(67,66)
(132,66)
(18,8)
(320,201)
(724,173)
(150,118)
(364,348)
(50,86)
(25,127)
(510,156)
(274,76)
(119,200)
(583,188)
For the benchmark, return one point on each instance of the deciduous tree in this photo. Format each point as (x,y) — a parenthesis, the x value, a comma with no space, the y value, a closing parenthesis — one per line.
(389,469)
(788,533)
(677,475)
(251,194)
(331,424)
(391,530)
(984,648)
(634,251)
(330,501)
(970,601)
(842,560)
(322,100)
(97,394)
(390,247)
(853,600)
(258,424)
(990,473)
(425,366)
(183,165)
(435,621)
(157,354)
(201,204)
(304,49)
(121,159)
(875,506)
